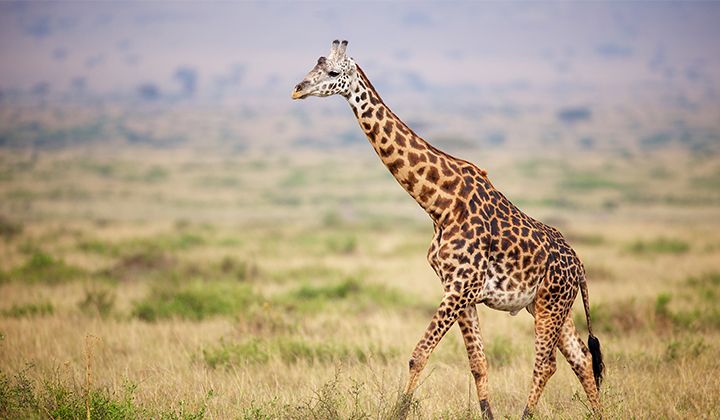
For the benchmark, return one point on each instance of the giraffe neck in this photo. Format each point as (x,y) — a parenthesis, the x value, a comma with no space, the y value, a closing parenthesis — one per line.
(429,175)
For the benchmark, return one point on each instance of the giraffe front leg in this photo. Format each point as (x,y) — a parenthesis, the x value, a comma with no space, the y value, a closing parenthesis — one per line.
(470,328)
(452,305)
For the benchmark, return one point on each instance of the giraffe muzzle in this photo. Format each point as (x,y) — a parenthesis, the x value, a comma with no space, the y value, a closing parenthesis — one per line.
(298,92)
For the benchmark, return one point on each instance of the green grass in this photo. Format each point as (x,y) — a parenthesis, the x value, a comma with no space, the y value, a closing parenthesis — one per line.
(22,397)
(9,228)
(195,301)
(352,293)
(588,181)
(660,245)
(28,310)
(696,308)
(98,301)
(44,268)
(290,350)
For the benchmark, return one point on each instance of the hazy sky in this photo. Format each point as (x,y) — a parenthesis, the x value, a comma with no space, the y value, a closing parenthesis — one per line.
(211,50)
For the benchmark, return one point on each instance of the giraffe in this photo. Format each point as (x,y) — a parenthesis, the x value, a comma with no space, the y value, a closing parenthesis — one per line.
(484,249)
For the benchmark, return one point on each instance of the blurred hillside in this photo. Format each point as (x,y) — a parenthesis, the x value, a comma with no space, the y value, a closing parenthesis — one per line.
(620,77)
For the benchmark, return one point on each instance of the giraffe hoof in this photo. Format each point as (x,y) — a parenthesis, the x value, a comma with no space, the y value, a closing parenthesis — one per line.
(402,407)
(485,411)
(527,414)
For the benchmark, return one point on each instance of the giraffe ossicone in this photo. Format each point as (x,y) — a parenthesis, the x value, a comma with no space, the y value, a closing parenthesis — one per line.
(484,249)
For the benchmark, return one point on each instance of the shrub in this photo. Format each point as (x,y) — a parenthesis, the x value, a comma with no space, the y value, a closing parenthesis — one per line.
(44,268)
(21,397)
(8,228)
(500,351)
(29,310)
(289,350)
(659,246)
(98,301)
(360,295)
(195,301)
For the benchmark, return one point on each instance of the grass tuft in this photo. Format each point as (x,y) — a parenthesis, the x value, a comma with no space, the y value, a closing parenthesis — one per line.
(44,268)
(290,350)
(21,397)
(195,301)
(659,246)
(29,310)
(98,302)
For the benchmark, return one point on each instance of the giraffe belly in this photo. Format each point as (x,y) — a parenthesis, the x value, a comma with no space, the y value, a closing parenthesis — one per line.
(497,295)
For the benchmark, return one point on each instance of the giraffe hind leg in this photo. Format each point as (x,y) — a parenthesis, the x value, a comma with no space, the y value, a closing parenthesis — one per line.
(578,355)
(549,319)
(470,328)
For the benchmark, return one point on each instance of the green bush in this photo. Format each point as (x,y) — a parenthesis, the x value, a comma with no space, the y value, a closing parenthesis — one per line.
(500,351)
(350,291)
(98,301)
(659,246)
(21,397)
(289,350)
(44,268)
(29,310)
(195,301)
(9,229)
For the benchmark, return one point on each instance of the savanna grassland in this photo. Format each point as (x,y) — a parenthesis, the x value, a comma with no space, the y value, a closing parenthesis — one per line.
(175,284)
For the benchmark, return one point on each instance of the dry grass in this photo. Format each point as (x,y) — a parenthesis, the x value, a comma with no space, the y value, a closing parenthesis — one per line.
(243,287)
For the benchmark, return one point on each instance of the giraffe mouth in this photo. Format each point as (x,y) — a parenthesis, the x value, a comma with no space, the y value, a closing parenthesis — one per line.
(300,91)
(299,95)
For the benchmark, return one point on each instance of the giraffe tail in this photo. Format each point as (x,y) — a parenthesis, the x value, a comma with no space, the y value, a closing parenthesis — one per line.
(593,342)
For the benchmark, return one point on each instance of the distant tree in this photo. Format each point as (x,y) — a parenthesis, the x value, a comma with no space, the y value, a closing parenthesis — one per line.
(149,92)
(187,77)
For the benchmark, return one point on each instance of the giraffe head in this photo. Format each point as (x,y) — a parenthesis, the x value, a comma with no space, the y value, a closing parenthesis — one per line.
(331,75)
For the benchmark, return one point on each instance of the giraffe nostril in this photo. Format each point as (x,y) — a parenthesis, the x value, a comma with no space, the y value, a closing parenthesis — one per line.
(299,87)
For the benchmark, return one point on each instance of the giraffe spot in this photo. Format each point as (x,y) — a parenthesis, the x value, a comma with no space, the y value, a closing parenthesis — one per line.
(450,185)
(443,203)
(363,96)
(368,113)
(432,158)
(432,176)
(366,126)
(410,181)
(380,113)
(445,168)
(375,130)
(414,158)
(388,151)
(400,139)
(388,127)
(396,165)
(426,193)
(416,144)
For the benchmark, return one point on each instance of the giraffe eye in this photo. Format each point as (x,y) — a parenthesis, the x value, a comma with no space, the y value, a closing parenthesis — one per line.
(333,74)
